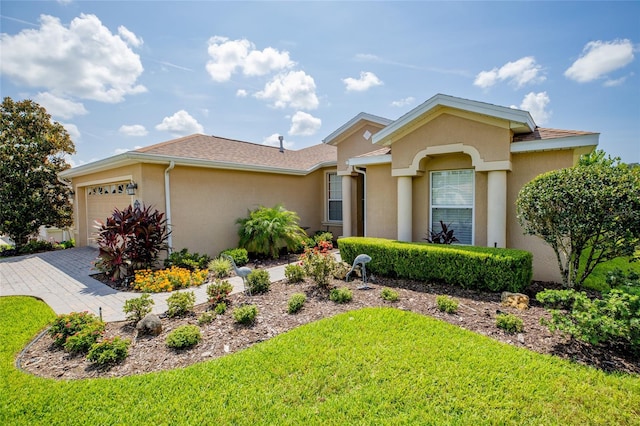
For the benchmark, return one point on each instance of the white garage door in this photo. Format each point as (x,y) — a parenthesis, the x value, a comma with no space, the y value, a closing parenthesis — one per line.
(101,201)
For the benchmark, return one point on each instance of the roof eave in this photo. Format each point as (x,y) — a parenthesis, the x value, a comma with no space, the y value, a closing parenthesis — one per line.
(369,161)
(554,144)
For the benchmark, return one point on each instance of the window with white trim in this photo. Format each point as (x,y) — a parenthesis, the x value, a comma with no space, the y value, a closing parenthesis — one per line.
(452,195)
(334,197)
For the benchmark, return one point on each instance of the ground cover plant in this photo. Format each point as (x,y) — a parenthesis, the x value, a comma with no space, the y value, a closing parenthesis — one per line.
(385,358)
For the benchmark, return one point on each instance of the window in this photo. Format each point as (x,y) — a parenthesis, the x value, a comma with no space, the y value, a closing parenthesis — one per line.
(334,197)
(452,202)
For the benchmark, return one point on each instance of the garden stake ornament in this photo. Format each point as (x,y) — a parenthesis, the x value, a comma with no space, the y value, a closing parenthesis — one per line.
(360,260)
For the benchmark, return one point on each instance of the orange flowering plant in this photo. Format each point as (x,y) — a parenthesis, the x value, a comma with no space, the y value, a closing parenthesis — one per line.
(170,279)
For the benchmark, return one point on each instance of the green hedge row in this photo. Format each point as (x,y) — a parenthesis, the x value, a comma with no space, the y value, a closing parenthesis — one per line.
(481,268)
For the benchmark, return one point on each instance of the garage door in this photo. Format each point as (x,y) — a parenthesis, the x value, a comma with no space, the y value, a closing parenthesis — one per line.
(101,201)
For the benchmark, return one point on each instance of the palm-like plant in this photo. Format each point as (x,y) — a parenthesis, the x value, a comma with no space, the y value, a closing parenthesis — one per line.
(266,230)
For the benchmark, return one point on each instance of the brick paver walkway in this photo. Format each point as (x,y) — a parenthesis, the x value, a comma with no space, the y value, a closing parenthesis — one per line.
(62,279)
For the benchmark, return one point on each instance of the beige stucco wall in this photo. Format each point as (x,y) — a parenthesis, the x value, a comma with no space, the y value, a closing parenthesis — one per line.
(353,143)
(382,195)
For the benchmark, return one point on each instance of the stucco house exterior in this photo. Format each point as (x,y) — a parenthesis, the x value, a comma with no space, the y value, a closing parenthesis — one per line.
(450,159)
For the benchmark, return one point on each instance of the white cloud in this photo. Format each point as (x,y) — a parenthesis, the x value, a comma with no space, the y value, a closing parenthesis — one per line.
(274,141)
(403,102)
(58,106)
(366,57)
(129,37)
(518,73)
(294,89)
(73,131)
(241,93)
(366,81)
(180,124)
(83,60)
(303,124)
(133,130)
(123,150)
(616,82)
(536,104)
(227,56)
(600,58)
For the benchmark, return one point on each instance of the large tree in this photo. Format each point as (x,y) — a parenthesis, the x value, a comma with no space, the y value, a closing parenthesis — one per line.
(32,153)
(588,214)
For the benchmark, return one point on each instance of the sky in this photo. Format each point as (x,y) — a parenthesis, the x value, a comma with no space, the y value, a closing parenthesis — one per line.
(120,75)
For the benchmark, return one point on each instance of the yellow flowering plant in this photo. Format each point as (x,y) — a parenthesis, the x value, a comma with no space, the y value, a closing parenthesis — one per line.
(170,279)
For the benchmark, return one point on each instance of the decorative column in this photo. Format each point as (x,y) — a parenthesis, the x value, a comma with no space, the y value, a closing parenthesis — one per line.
(497,208)
(346,205)
(405,208)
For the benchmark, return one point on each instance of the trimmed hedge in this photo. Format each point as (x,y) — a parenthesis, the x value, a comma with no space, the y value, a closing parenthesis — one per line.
(482,268)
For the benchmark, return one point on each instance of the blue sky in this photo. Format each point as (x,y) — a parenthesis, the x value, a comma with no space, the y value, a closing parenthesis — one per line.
(121,75)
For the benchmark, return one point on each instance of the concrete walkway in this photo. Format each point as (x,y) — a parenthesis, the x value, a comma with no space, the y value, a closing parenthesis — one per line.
(62,279)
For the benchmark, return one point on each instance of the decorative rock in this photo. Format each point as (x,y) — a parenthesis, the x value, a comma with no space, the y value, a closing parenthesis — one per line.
(150,324)
(515,300)
(520,338)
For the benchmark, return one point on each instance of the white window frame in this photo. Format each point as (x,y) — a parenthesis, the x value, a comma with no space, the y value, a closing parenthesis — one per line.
(328,198)
(457,206)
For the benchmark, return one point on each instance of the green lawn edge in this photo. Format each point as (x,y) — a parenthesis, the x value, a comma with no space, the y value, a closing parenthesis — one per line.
(370,366)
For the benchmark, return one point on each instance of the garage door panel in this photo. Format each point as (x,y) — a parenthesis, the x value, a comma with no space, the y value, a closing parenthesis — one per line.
(102,200)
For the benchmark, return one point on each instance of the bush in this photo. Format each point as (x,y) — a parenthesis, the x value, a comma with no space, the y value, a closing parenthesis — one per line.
(239,255)
(184,336)
(613,319)
(320,236)
(245,314)
(66,325)
(556,299)
(447,304)
(296,302)
(184,259)
(131,239)
(509,323)
(219,291)
(266,230)
(319,264)
(138,307)
(220,267)
(341,295)
(82,341)
(206,317)
(389,295)
(294,273)
(168,279)
(180,303)
(480,268)
(259,281)
(109,351)
(220,308)
(36,246)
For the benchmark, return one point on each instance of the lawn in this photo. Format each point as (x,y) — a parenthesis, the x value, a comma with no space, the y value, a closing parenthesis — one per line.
(372,366)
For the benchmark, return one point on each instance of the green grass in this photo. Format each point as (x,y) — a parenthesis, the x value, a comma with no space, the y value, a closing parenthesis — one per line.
(597,280)
(372,366)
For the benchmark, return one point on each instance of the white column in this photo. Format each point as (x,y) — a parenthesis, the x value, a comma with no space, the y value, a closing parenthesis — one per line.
(405,208)
(497,208)
(346,206)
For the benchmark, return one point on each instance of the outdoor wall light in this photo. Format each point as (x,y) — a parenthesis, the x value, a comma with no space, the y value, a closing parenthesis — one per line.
(131,188)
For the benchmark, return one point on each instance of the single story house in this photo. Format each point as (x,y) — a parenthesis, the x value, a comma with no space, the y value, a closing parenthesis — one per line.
(449,159)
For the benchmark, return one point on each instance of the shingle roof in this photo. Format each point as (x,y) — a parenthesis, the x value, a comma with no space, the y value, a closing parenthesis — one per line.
(223,150)
(541,133)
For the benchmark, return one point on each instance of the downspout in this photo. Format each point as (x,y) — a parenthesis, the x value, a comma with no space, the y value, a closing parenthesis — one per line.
(364,213)
(167,203)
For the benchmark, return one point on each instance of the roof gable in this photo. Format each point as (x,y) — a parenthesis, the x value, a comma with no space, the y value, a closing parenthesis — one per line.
(338,135)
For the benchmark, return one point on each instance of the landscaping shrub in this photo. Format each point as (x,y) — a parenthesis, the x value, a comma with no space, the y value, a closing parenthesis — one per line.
(184,259)
(480,268)
(129,240)
(206,317)
(341,295)
(509,323)
(323,237)
(239,255)
(613,319)
(447,304)
(82,341)
(318,263)
(444,236)
(294,273)
(138,307)
(220,267)
(259,281)
(168,279)
(296,302)
(389,295)
(109,351)
(184,337)
(36,246)
(245,314)
(220,308)
(266,230)
(180,303)
(66,325)
(219,291)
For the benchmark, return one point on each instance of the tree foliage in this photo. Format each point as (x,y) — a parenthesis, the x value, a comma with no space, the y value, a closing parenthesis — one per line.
(266,230)
(588,214)
(32,153)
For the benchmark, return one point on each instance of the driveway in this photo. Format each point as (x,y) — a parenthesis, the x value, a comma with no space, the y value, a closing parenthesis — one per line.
(62,279)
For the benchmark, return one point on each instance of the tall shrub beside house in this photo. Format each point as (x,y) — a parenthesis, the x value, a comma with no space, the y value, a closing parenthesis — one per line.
(592,208)
(266,230)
